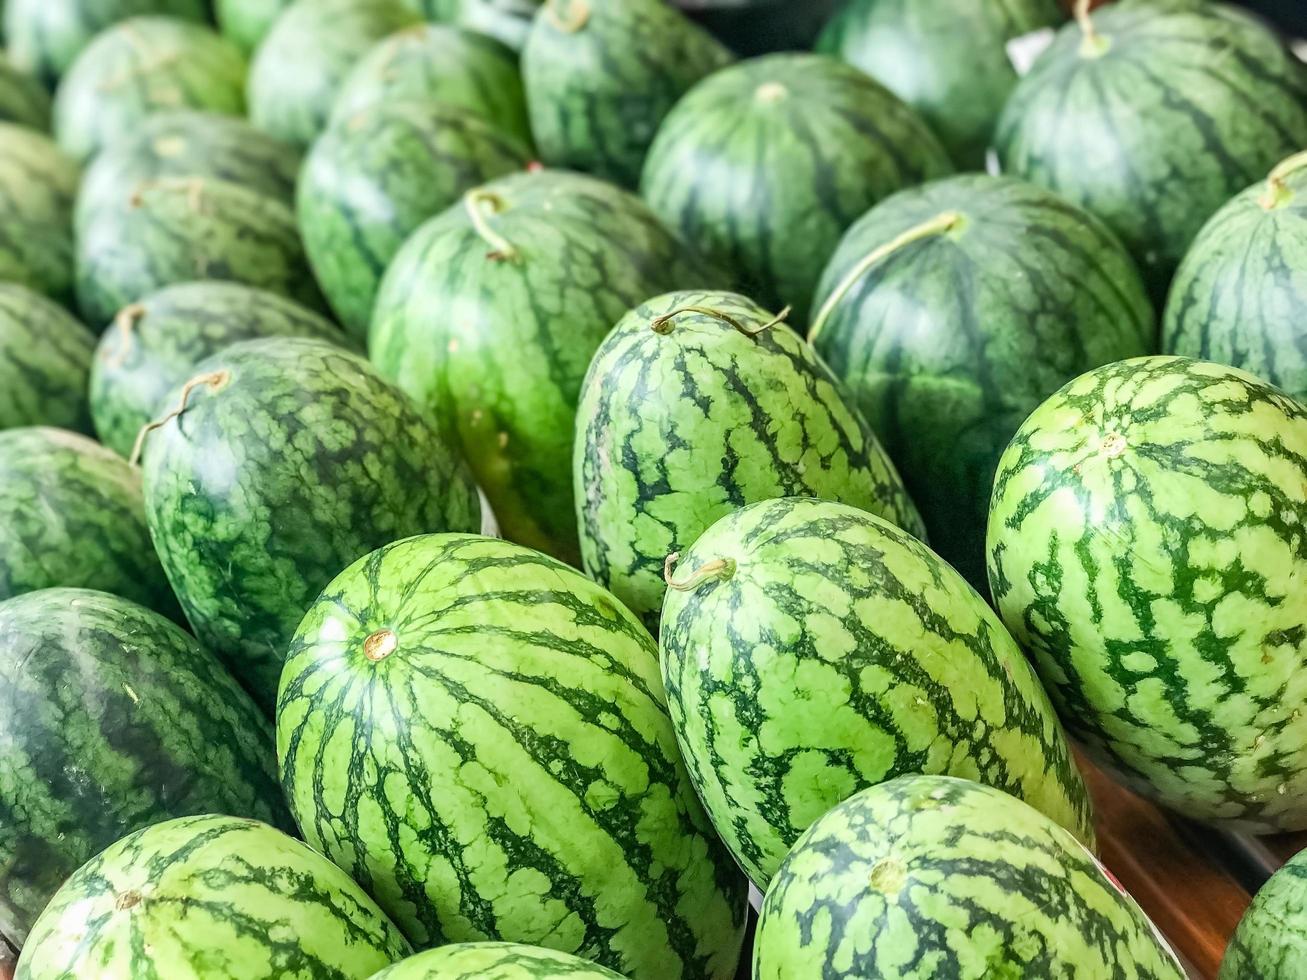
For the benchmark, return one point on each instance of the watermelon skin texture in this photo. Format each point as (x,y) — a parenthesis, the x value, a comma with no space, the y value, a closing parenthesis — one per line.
(932,876)
(374,177)
(210,897)
(534,792)
(1144,548)
(495,961)
(37,187)
(949,343)
(114,718)
(507,21)
(676,430)
(1186,108)
(145,356)
(815,139)
(1270,942)
(23,100)
(45,360)
(586,252)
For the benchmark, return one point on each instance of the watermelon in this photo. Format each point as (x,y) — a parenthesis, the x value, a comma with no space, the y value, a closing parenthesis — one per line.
(37,187)
(1241,292)
(945,58)
(112,718)
(300,65)
(155,344)
(764,165)
(931,876)
(246,22)
(210,897)
(282,461)
(176,229)
(1270,942)
(532,790)
(698,403)
(951,311)
(140,66)
(499,961)
(540,265)
(596,95)
(1177,107)
(374,177)
(1145,548)
(507,21)
(45,359)
(22,98)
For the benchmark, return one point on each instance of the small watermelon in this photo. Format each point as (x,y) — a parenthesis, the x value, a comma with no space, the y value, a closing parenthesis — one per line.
(495,961)
(23,100)
(246,22)
(45,359)
(507,21)
(1270,942)
(37,187)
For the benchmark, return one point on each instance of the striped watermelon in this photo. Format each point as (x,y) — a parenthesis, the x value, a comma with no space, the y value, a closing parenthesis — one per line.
(23,100)
(927,877)
(1145,547)
(532,790)
(764,164)
(37,187)
(495,961)
(1270,942)
(111,718)
(951,311)
(45,359)
(696,404)
(208,897)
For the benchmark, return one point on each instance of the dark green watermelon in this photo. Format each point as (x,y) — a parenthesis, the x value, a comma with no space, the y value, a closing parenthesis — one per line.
(948,342)
(927,877)
(23,100)
(600,77)
(1176,108)
(373,177)
(210,898)
(246,22)
(508,21)
(1270,942)
(45,360)
(37,187)
(140,66)
(532,791)
(539,267)
(500,961)
(765,164)
(111,718)
(289,459)
(155,344)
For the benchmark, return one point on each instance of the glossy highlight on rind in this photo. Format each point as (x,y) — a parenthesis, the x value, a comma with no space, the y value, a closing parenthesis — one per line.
(45,359)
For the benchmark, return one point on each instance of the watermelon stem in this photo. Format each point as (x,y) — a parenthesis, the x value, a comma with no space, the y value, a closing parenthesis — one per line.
(1277,191)
(125,322)
(214,380)
(578,13)
(501,249)
(720,568)
(663,324)
(1094,44)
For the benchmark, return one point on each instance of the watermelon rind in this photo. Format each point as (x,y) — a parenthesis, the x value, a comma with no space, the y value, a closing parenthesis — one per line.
(45,360)
(500,961)
(1270,942)
(23,99)
(38,184)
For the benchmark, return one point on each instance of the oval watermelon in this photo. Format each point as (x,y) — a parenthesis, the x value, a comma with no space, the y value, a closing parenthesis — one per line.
(45,359)
(111,718)
(1270,942)
(23,100)
(37,187)
(1145,549)
(495,961)
(208,897)
(929,876)
(948,341)
(764,164)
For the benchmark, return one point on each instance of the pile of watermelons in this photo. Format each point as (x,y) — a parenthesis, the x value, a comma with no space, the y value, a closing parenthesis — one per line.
(483,481)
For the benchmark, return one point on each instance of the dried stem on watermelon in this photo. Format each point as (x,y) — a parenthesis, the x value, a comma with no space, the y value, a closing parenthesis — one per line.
(663,324)
(125,322)
(501,248)
(1094,44)
(1277,191)
(571,18)
(213,379)
(720,568)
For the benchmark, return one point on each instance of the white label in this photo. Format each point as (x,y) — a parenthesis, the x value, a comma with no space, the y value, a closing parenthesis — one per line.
(1022,51)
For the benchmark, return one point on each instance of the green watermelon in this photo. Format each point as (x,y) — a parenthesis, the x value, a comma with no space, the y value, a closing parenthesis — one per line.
(764,165)
(1145,548)
(282,461)
(372,178)
(45,359)
(444,64)
(141,66)
(508,21)
(945,58)
(495,961)
(951,311)
(1270,942)
(600,77)
(519,778)
(538,266)
(23,100)
(176,229)
(811,650)
(698,403)
(37,187)
(155,345)
(111,718)
(1175,107)
(246,22)
(927,877)
(302,62)
(210,898)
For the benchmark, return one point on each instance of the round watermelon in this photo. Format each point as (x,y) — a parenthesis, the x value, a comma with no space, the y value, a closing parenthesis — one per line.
(498,961)
(23,100)
(37,187)
(1271,939)
(246,22)
(45,359)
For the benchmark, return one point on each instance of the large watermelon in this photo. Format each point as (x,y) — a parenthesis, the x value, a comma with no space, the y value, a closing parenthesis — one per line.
(1145,546)
(764,164)
(23,100)
(600,77)
(45,359)
(111,718)
(373,177)
(495,961)
(156,343)
(951,311)
(696,404)
(289,459)
(538,268)
(37,187)
(927,877)
(1270,942)
(140,66)
(210,898)
(1174,108)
